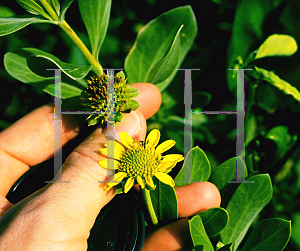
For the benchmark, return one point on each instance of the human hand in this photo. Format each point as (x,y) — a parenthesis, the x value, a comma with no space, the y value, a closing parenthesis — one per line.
(60,215)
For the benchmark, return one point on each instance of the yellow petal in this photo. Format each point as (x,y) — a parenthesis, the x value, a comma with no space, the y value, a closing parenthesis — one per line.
(153,138)
(109,164)
(173,157)
(140,181)
(166,167)
(164,146)
(150,182)
(116,179)
(126,140)
(103,151)
(117,150)
(165,178)
(129,184)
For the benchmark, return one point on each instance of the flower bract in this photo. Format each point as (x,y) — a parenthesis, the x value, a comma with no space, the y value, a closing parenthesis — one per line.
(109,97)
(138,162)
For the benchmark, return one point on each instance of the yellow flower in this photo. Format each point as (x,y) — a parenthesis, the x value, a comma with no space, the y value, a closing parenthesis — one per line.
(137,162)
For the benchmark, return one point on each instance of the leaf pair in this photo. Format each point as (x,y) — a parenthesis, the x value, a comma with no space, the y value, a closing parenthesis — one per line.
(161,47)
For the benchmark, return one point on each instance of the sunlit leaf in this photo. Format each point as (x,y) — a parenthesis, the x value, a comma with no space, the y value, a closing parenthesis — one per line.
(95,15)
(196,168)
(154,42)
(165,67)
(282,85)
(269,235)
(9,25)
(199,236)
(246,203)
(277,45)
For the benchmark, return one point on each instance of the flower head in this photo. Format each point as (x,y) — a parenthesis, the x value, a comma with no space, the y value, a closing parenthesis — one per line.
(137,162)
(109,103)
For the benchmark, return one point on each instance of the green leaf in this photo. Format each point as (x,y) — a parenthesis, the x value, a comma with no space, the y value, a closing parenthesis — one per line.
(6,12)
(55,6)
(33,7)
(277,45)
(9,25)
(196,168)
(199,236)
(282,85)
(246,203)
(280,135)
(214,220)
(248,30)
(133,92)
(133,104)
(16,65)
(65,6)
(228,247)
(164,201)
(37,62)
(154,41)
(226,172)
(95,15)
(68,91)
(269,235)
(165,67)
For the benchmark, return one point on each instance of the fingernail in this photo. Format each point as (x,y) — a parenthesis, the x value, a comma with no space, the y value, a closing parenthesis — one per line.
(134,124)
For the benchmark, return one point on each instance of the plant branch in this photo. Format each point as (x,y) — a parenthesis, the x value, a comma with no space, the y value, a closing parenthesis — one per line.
(49,10)
(80,45)
(149,205)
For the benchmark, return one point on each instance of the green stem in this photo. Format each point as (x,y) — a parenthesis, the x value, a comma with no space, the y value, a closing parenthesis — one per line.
(149,205)
(80,45)
(49,10)
(97,68)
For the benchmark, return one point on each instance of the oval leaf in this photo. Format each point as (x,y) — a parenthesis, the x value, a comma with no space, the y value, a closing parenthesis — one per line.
(199,236)
(196,168)
(33,7)
(16,65)
(214,220)
(277,45)
(95,15)
(226,172)
(282,85)
(269,235)
(9,25)
(71,70)
(165,67)
(65,6)
(164,201)
(155,39)
(247,201)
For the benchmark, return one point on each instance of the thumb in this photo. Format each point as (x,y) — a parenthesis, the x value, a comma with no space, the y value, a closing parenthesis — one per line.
(87,178)
(65,211)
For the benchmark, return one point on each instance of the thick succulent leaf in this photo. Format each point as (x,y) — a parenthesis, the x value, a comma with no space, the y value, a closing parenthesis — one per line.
(16,65)
(37,61)
(282,85)
(214,220)
(155,40)
(269,235)
(95,15)
(196,168)
(277,45)
(165,67)
(65,6)
(248,29)
(9,25)
(199,236)
(246,203)
(164,201)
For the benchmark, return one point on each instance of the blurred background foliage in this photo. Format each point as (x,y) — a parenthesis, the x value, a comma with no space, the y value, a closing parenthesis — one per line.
(226,29)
